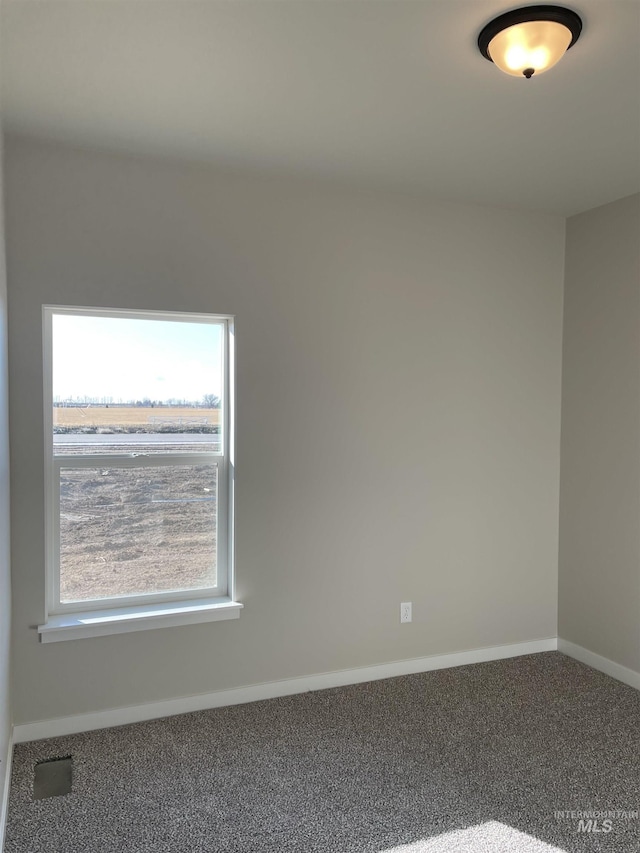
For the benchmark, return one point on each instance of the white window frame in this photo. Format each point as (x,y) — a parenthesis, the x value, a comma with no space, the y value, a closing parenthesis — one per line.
(70,620)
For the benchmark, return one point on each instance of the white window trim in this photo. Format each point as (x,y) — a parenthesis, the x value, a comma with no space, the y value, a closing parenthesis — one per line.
(64,621)
(123,620)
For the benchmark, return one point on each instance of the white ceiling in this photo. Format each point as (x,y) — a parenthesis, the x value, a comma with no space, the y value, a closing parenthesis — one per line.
(386,92)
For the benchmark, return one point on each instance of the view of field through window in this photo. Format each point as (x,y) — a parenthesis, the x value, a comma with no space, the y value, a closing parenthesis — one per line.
(134,396)
(133,531)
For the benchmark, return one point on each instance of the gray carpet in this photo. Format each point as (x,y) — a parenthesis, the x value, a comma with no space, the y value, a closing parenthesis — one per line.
(478,758)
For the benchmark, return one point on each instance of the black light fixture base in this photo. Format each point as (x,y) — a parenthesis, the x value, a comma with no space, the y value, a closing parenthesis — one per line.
(571,20)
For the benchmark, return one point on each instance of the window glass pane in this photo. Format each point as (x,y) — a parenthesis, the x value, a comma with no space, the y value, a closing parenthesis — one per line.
(119,382)
(137,531)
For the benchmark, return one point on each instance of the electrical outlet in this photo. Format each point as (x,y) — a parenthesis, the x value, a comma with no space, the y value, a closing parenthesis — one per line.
(405,611)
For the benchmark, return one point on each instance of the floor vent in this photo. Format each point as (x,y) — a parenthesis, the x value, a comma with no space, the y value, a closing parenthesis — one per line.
(52,778)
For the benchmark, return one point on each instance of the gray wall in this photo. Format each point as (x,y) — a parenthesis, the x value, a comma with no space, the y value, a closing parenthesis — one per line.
(399,369)
(599,590)
(5,582)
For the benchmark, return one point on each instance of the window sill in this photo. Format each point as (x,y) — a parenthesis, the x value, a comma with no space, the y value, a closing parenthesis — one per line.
(122,620)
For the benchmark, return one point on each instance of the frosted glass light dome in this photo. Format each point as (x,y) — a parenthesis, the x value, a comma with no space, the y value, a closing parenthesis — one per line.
(530,40)
(536,45)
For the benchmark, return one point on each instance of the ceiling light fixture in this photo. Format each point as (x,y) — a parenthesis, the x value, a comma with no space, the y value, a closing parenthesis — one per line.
(530,40)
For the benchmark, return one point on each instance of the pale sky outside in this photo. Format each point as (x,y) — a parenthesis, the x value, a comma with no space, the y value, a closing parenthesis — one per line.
(128,359)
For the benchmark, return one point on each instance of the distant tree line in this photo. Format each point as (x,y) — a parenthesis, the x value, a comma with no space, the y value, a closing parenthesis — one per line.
(208,401)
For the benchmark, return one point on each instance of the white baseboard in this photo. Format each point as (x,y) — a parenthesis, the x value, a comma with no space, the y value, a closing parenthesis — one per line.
(4,794)
(609,667)
(270,690)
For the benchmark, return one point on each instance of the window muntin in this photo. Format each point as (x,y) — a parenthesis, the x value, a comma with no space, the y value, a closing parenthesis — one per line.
(137,474)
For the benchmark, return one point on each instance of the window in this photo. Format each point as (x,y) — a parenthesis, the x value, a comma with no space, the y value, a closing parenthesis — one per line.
(139,470)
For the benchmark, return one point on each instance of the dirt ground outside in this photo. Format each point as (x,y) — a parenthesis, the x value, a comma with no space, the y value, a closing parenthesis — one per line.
(132,531)
(127,531)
